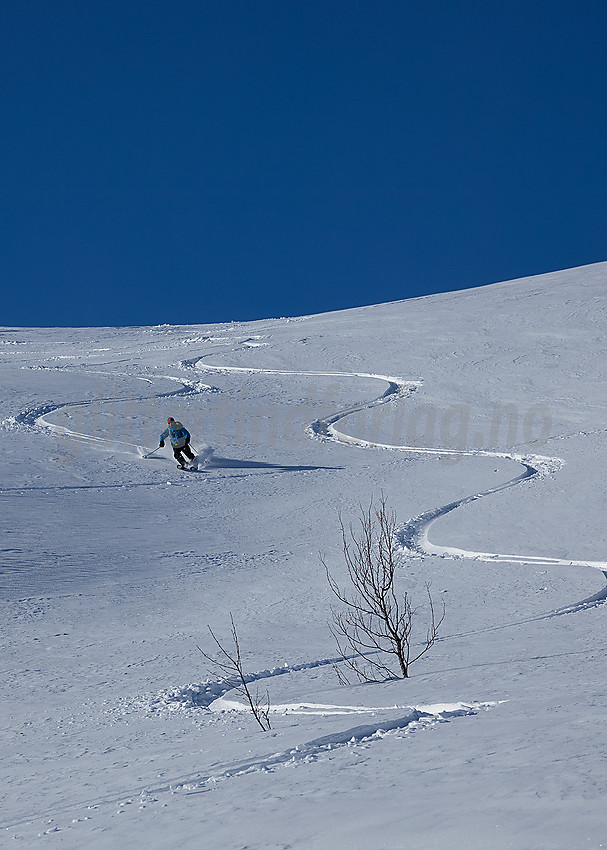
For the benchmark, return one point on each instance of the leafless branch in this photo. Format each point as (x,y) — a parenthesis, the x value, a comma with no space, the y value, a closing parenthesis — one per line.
(373,626)
(230,664)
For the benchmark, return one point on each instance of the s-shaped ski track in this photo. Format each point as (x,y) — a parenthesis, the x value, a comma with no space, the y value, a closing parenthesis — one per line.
(413,535)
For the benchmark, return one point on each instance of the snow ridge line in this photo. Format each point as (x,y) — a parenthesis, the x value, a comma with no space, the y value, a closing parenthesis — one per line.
(416,718)
(586,604)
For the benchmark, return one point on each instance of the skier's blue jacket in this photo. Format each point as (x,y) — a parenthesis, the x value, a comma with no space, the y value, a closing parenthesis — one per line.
(177,434)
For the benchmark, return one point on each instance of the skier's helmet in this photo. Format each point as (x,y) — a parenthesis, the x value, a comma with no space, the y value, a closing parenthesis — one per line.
(170,419)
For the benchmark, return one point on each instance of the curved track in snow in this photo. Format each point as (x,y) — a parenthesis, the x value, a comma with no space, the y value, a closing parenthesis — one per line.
(413,535)
(37,417)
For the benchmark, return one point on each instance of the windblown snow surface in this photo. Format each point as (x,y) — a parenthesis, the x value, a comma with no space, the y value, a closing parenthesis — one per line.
(480,415)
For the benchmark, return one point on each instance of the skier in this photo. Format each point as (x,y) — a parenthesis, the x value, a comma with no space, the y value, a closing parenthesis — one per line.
(180,442)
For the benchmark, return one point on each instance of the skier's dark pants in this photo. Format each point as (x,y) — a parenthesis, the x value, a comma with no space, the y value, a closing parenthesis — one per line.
(187,452)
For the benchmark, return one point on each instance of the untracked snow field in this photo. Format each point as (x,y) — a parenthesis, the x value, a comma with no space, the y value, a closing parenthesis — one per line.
(481,418)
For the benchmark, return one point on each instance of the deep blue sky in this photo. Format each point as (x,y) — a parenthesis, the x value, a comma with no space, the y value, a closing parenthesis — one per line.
(207,160)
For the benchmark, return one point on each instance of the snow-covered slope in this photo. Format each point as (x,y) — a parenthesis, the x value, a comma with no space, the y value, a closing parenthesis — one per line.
(478,414)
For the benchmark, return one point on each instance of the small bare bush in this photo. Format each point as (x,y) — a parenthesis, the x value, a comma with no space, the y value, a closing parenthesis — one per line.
(373,627)
(230,664)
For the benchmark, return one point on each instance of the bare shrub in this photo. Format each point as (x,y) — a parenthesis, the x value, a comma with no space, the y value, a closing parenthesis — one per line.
(373,627)
(230,663)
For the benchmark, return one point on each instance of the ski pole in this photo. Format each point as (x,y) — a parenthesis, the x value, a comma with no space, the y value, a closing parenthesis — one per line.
(149,454)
